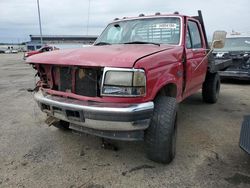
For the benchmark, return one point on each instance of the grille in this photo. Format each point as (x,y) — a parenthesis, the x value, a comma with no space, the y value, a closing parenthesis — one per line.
(65,79)
(81,81)
(86,82)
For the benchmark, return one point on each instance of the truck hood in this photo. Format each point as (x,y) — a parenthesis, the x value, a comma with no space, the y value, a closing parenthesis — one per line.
(124,55)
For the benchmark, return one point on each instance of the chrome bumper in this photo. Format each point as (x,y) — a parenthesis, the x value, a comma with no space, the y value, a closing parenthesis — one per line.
(95,115)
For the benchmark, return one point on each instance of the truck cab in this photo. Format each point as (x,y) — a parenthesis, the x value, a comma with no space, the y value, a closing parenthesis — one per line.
(127,86)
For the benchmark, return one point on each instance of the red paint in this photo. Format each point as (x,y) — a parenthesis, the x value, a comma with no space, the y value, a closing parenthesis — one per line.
(163,65)
(30,53)
(41,50)
(98,56)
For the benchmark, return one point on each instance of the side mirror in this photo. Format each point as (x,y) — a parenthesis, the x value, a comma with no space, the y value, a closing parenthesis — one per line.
(219,38)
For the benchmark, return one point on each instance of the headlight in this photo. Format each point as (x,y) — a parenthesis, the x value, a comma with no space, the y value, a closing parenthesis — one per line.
(123,82)
(118,78)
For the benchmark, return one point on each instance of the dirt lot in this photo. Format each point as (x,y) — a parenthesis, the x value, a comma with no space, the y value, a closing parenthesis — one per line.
(34,155)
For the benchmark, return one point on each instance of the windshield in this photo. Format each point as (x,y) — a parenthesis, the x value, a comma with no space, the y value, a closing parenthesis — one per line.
(237,44)
(149,30)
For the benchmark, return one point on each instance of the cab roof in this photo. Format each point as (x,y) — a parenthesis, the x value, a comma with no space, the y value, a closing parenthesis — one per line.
(142,16)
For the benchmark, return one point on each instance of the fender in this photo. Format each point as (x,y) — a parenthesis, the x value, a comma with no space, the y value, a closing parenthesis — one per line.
(164,68)
(164,80)
(161,76)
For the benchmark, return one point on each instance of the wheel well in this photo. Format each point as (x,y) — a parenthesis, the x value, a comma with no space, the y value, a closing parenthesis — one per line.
(169,90)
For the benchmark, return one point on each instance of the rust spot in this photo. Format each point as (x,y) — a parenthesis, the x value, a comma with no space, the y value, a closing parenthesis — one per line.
(81,73)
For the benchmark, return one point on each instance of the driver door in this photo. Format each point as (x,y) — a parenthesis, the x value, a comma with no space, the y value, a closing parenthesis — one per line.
(196,66)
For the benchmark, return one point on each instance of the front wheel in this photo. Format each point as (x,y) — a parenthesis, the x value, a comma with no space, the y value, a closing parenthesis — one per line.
(160,137)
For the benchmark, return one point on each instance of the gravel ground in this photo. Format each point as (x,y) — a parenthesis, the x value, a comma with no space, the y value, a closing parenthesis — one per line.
(35,155)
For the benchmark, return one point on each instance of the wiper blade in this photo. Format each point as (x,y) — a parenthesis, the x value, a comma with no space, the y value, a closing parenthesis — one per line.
(142,42)
(102,43)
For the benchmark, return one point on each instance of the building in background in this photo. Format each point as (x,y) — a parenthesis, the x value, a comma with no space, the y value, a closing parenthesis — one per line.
(61,41)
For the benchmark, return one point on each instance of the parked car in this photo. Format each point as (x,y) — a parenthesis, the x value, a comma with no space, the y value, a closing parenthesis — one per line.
(11,50)
(127,86)
(14,51)
(245,135)
(237,47)
(41,50)
(8,51)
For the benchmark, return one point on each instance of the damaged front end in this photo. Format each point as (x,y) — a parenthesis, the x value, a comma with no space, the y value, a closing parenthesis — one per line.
(76,80)
(237,48)
(239,69)
(70,94)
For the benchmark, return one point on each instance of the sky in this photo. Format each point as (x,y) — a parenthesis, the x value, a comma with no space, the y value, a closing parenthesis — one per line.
(19,18)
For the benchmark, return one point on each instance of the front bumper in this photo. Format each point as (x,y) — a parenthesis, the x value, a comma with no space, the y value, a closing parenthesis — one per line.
(102,119)
(239,75)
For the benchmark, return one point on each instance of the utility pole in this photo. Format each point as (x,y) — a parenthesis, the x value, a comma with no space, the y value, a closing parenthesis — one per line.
(40,25)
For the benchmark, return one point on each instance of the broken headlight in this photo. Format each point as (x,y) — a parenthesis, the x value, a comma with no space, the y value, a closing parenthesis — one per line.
(123,82)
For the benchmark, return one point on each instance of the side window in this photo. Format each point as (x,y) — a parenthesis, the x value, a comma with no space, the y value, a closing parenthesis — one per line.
(194,34)
(188,42)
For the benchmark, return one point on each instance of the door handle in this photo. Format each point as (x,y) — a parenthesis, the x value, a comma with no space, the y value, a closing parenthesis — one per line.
(195,50)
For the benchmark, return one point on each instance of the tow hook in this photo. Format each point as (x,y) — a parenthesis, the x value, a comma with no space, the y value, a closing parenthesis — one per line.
(32,90)
(51,120)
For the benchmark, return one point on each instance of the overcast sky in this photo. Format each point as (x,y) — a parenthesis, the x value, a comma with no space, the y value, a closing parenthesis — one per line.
(19,18)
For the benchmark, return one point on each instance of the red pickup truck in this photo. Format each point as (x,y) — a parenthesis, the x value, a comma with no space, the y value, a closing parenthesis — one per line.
(127,86)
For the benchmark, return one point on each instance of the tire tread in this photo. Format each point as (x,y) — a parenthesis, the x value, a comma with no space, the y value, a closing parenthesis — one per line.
(209,88)
(158,136)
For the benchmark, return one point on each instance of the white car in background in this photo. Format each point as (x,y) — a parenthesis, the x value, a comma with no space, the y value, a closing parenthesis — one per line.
(11,50)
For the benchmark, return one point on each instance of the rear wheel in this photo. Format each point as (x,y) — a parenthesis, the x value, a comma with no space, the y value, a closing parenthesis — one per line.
(211,88)
(160,137)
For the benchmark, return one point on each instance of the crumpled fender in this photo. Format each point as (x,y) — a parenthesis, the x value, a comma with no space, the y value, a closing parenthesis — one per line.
(164,80)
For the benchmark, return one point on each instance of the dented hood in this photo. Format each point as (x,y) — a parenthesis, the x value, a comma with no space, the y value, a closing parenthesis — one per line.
(99,56)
